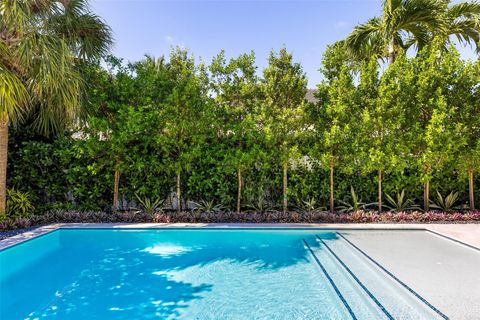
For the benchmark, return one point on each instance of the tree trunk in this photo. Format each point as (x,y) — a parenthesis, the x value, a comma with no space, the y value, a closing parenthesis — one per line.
(179,195)
(470,189)
(426,195)
(116,186)
(391,54)
(239,190)
(332,200)
(380,193)
(3,162)
(285,199)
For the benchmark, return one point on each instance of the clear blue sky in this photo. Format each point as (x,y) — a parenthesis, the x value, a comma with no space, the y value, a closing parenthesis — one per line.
(206,27)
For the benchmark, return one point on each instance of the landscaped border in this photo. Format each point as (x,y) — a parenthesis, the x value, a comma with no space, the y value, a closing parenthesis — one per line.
(463,234)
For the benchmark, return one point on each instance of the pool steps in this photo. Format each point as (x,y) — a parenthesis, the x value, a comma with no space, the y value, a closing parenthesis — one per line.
(395,282)
(357,280)
(328,277)
(369,292)
(361,307)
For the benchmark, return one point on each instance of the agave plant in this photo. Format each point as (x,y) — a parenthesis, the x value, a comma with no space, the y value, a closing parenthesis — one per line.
(207,206)
(356,203)
(310,205)
(259,205)
(149,205)
(446,204)
(400,203)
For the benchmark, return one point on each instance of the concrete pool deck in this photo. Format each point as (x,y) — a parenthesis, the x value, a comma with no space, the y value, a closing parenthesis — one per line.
(441,263)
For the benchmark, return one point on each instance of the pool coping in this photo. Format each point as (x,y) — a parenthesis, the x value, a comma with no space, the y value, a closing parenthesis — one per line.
(469,236)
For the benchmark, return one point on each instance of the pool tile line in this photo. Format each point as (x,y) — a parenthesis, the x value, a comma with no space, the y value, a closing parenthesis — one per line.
(452,239)
(441,314)
(330,280)
(375,300)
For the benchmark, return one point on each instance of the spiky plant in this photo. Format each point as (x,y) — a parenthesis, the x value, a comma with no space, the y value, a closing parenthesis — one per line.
(310,205)
(446,204)
(354,205)
(149,205)
(207,206)
(400,203)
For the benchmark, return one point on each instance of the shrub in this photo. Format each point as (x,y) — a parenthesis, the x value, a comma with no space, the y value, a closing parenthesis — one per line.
(18,205)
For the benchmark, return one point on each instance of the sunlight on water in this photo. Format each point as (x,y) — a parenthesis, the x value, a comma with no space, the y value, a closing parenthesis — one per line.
(167,250)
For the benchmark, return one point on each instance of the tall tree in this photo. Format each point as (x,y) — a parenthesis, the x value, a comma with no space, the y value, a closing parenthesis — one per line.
(465,97)
(338,117)
(237,98)
(381,142)
(436,135)
(110,132)
(334,116)
(42,43)
(181,135)
(284,86)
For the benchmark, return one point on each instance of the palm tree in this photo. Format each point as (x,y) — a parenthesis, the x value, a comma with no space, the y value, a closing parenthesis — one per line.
(407,23)
(42,46)
(463,23)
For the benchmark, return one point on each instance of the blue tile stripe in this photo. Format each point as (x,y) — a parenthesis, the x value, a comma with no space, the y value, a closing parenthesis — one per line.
(384,310)
(454,240)
(441,314)
(339,294)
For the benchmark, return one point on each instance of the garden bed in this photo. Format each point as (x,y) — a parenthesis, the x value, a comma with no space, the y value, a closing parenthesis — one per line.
(244,217)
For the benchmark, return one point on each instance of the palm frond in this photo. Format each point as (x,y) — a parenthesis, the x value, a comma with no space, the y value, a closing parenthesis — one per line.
(463,22)
(14,98)
(86,33)
(53,82)
(464,10)
(366,39)
(404,23)
(39,66)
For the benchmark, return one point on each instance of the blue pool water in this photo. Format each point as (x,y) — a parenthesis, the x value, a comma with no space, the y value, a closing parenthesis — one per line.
(197,274)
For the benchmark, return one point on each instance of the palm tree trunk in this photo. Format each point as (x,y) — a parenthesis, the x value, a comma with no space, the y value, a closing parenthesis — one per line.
(239,190)
(426,195)
(380,179)
(179,195)
(470,189)
(3,161)
(116,187)
(391,54)
(332,199)
(285,178)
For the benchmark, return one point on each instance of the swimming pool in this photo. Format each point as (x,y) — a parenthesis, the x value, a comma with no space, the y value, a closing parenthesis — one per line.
(201,274)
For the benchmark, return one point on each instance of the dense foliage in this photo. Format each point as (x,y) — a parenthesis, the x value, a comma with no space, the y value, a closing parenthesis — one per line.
(173,133)
(43,46)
